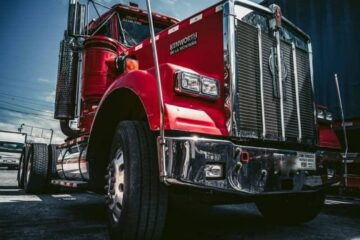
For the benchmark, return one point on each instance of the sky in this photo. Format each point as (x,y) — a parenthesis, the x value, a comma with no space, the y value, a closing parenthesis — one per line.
(29,40)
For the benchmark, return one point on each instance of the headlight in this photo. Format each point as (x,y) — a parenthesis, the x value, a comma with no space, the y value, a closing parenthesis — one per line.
(189,82)
(320,114)
(329,116)
(209,87)
(324,115)
(196,85)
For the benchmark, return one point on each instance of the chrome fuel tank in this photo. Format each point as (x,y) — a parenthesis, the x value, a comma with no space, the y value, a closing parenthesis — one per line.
(72,164)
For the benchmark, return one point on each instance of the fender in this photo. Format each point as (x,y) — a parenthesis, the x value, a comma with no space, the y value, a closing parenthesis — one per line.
(182,113)
(134,97)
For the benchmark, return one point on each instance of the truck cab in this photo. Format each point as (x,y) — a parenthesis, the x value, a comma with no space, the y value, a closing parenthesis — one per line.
(220,103)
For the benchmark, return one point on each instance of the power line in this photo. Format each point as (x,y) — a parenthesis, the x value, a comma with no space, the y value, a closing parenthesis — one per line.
(27,113)
(36,101)
(27,104)
(17,105)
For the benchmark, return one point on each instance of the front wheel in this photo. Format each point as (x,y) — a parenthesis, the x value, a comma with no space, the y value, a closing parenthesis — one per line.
(136,199)
(292,209)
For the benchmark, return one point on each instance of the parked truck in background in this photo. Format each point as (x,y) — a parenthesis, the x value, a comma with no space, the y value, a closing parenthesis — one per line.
(11,146)
(231,114)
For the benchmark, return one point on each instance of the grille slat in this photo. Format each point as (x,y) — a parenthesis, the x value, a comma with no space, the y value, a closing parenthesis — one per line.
(248,102)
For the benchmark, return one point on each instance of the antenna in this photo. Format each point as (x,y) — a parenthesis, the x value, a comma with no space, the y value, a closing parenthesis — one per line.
(163,173)
(343,127)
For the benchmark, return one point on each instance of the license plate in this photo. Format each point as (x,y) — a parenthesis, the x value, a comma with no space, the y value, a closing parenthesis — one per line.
(305,161)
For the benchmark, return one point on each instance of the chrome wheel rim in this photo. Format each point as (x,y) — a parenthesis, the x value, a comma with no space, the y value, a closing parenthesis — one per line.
(116,185)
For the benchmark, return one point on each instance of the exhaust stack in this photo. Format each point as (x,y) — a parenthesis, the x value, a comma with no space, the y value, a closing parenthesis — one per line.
(67,88)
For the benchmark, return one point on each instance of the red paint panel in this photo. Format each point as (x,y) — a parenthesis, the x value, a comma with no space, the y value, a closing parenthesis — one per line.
(184,119)
(327,137)
(206,58)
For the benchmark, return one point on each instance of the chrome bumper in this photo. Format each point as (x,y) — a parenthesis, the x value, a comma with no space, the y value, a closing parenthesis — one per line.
(268,170)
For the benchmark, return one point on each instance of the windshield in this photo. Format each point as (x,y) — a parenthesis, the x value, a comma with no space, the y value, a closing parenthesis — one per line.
(136,30)
(11,147)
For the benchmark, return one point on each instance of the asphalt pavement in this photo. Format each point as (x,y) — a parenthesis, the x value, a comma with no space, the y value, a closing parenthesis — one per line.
(81,215)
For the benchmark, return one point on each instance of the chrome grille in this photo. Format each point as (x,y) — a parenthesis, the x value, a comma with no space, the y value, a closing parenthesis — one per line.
(248,106)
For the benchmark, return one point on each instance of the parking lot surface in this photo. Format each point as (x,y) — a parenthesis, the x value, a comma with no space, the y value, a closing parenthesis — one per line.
(81,215)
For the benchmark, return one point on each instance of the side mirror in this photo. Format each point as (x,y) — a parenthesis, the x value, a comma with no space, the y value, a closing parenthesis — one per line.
(76,18)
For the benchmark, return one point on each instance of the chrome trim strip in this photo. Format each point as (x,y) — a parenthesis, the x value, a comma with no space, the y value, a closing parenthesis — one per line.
(277,34)
(296,90)
(313,87)
(230,61)
(261,82)
(78,90)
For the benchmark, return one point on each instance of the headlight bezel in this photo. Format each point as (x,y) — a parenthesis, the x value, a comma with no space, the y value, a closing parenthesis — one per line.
(329,116)
(180,76)
(323,115)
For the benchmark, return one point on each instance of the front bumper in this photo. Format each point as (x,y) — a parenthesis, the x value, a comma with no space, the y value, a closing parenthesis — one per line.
(187,159)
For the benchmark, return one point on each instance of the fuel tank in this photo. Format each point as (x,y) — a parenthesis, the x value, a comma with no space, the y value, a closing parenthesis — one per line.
(72,164)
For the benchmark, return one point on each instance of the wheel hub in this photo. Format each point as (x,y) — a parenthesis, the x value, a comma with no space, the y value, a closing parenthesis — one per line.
(115,185)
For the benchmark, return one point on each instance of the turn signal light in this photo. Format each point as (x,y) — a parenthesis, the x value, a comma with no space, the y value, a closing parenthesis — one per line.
(131,64)
(126,64)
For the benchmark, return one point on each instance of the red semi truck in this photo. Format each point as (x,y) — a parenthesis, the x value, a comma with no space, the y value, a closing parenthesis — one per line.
(219,105)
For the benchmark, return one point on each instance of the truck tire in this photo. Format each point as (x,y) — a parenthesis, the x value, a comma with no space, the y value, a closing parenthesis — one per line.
(36,171)
(21,170)
(22,161)
(294,209)
(52,171)
(136,199)
(53,156)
